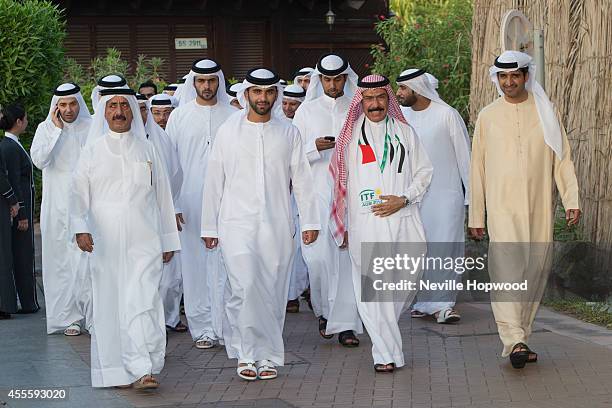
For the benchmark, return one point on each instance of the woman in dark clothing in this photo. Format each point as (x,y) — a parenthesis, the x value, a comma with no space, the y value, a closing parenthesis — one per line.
(8,210)
(18,165)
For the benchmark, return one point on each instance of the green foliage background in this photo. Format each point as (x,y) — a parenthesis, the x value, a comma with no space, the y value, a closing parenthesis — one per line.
(31,55)
(434,35)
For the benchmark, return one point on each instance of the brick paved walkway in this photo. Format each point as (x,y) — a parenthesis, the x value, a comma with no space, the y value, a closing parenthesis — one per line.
(446,366)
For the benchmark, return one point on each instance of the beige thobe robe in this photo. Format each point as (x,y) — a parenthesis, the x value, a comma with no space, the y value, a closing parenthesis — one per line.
(512,174)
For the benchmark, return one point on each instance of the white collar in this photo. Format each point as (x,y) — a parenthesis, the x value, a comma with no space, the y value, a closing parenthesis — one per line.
(116,135)
(12,137)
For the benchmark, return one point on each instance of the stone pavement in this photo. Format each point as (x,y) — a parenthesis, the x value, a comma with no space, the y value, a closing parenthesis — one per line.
(447,366)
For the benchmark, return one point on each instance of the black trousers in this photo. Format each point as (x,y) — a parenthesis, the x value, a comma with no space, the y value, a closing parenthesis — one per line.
(23,266)
(8,294)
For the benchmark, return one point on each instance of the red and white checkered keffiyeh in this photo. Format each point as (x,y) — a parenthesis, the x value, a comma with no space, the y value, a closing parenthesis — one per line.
(337,166)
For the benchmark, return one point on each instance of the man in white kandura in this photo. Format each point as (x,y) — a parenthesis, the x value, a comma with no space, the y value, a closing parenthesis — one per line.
(293,96)
(247,212)
(180,85)
(231,91)
(302,77)
(171,286)
(444,136)
(123,215)
(379,153)
(106,82)
(320,119)
(161,106)
(55,150)
(203,107)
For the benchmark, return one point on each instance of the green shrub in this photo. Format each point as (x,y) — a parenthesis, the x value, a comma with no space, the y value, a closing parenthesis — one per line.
(434,35)
(31,56)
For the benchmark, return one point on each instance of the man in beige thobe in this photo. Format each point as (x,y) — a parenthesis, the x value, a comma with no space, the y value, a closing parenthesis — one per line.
(519,149)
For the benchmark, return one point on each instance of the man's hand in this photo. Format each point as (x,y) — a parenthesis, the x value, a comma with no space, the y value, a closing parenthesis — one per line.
(390,205)
(167,256)
(310,236)
(323,144)
(85,242)
(211,243)
(345,242)
(14,210)
(476,234)
(57,121)
(572,217)
(179,221)
(22,225)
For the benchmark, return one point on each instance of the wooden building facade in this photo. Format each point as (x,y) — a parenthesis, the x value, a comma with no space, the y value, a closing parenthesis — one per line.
(283,34)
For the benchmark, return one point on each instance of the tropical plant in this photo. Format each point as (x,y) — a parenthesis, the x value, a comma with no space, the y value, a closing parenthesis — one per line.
(31,56)
(434,35)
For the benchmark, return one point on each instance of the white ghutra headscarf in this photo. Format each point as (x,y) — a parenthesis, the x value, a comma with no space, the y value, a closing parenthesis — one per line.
(203,67)
(331,65)
(99,126)
(421,82)
(107,82)
(513,60)
(69,90)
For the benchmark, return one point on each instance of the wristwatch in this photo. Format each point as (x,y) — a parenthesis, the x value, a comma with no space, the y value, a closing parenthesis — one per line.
(406,200)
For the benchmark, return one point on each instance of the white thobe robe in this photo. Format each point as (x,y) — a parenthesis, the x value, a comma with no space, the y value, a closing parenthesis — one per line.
(328,266)
(381,318)
(247,205)
(192,129)
(444,136)
(122,198)
(65,267)
(170,287)
(298,281)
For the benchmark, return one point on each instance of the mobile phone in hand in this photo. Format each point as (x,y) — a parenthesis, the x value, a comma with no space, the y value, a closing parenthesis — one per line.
(330,138)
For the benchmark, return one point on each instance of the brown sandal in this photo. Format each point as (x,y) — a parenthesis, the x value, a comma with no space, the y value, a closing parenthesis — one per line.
(323,328)
(146,382)
(293,306)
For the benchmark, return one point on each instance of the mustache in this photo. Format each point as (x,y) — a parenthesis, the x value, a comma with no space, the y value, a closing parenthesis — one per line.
(378,109)
(119,117)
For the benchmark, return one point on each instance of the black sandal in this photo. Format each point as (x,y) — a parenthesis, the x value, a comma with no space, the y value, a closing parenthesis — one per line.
(348,339)
(384,368)
(179,328)
(306,297)
(519,355)
(323,327)
(533,356)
